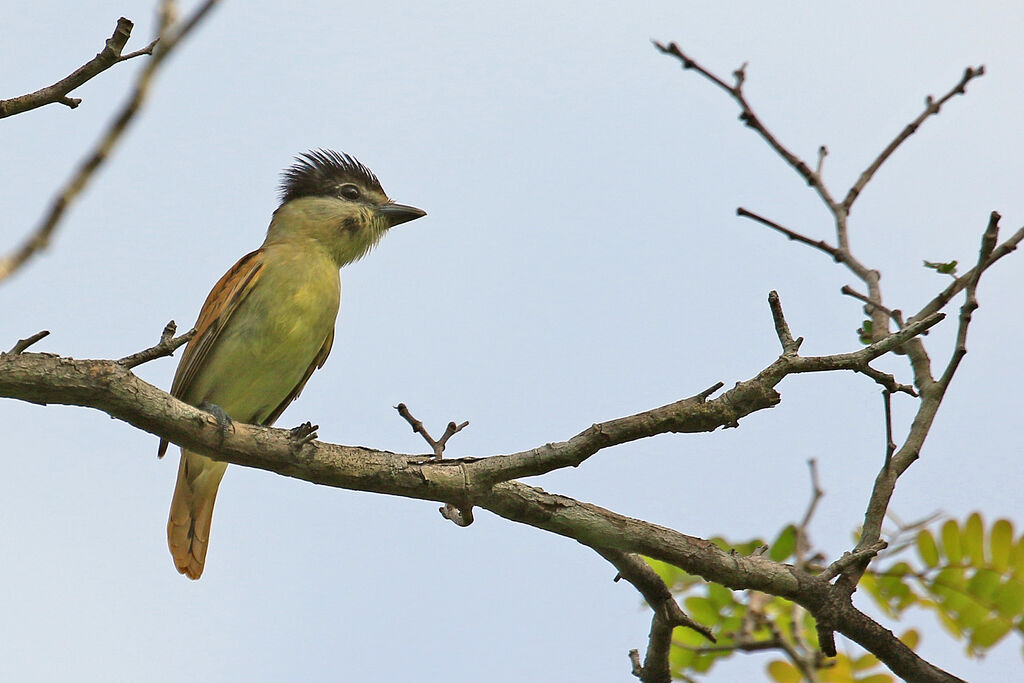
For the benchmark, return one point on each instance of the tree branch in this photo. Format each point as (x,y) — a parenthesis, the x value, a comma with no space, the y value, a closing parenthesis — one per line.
(110,55)
(109,386)
(931,108)
(667,614)
(169,37)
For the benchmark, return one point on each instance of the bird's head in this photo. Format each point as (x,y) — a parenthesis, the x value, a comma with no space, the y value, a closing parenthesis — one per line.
(336,201)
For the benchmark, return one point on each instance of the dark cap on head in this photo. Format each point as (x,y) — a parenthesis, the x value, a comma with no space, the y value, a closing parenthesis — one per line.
(321,172)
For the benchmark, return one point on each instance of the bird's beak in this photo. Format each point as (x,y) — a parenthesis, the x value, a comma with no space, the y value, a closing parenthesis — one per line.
(400,213)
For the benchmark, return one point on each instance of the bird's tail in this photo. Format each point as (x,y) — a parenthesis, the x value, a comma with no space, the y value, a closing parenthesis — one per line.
(188,526)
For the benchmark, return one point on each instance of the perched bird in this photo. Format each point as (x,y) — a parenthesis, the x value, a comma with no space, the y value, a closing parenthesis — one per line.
(269,322)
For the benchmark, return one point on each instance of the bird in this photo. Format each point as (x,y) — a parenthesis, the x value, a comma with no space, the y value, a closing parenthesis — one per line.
(268,323)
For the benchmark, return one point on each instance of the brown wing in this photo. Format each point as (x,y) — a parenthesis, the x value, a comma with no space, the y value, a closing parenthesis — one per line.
(318,362)
(222,301)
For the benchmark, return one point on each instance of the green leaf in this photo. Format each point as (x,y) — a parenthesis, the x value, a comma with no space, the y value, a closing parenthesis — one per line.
(911,638)
(972,614)
(784,545)
(864,662)
(702,609)
(982,585)
(947,268)
(951,541)
(1017,555)
(949,589)
(974,540)
(1001,544)
(865,332)
(990,632)
(1009,598)
(877,678)
(927,548)
(783,672)
(720,596)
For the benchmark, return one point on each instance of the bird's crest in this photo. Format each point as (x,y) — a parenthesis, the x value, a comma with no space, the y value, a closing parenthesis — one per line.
(321,172)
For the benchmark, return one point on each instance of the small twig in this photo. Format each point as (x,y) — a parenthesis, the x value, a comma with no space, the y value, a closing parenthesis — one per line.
(749,118)
(887,381)
(988,244)
(931,108)
(822,153)
(165,347)
(896,315)
(27,342)
(824,246)
(634,658)
(890,445)
(803,543)
(460,516)
(169,36)
(704,395)
(851,558)
(418,428)
(57,93)
(790,346)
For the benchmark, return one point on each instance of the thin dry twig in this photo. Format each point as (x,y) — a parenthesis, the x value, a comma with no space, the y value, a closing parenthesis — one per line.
(932,107)
(790,346)
(110,55)
(169,37)
(803,542)
(751,119)
(871,305)
(791,234)
(165,347)
(28,341)
(417,427)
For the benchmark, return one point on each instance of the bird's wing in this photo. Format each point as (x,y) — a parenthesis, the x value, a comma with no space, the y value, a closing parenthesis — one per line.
(223,300)
(318,362)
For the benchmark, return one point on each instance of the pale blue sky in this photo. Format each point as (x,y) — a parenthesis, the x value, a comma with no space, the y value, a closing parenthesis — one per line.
(581,260)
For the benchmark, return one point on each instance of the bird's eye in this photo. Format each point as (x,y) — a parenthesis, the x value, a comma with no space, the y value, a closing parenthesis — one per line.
(349,191)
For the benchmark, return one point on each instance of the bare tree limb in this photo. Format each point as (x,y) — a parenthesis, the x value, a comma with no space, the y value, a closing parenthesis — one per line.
(667,614)
(110,55)
(110,387)
(170,35)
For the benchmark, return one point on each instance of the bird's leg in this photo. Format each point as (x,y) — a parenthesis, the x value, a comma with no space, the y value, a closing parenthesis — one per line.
(301,435)
(224,421)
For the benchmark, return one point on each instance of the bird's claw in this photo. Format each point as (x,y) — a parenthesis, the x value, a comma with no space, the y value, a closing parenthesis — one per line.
(224,421)
(303,434)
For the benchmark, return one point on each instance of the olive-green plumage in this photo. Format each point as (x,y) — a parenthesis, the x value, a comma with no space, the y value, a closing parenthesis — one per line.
(269,322)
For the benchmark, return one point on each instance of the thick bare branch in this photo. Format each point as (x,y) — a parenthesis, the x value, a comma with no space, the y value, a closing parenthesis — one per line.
(112,388)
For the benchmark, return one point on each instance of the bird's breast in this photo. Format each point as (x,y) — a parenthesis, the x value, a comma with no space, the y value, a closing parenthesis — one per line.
(273,337)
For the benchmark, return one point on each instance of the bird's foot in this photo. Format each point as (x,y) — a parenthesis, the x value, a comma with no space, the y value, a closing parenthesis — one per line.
(224,421)
(301,435)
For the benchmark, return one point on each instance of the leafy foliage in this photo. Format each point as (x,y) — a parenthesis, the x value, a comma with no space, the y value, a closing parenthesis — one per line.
(969,575)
